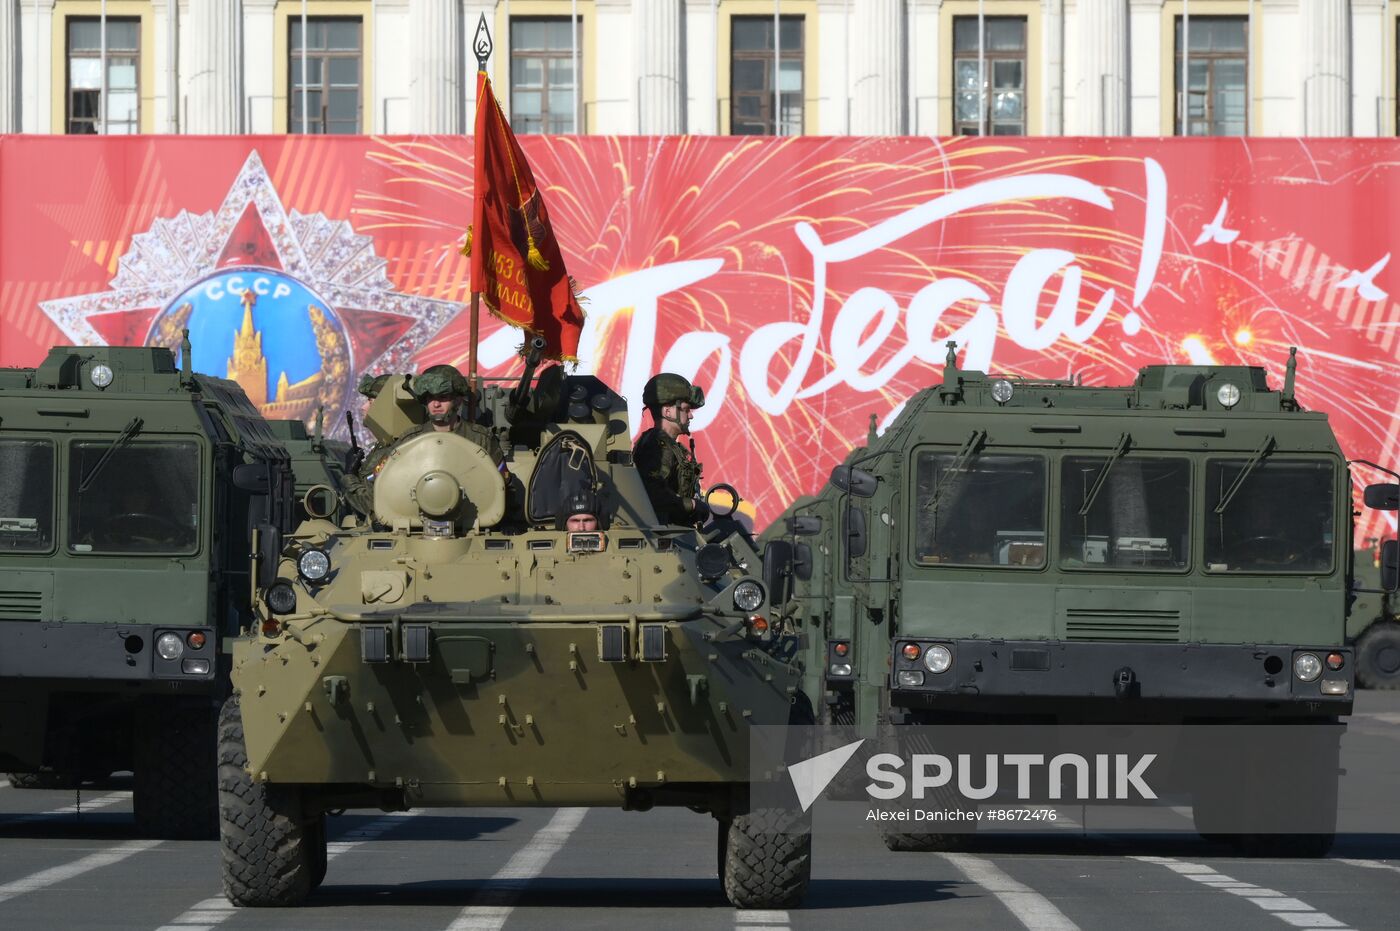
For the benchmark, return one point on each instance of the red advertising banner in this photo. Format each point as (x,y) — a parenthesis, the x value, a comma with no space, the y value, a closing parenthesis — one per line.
(806,283)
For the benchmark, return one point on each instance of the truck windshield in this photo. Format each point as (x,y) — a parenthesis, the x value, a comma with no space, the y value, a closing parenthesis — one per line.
(1140,519)
(1280,520)
(990,510)
(144,500)
(26,496)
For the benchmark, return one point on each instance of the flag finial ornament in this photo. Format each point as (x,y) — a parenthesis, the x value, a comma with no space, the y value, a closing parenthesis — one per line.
(481,43)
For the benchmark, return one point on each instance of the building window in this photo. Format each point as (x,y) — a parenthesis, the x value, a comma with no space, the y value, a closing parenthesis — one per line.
(542,79)
(333,56)
(1217,97)
(123,110)
(990,84)
(751,78)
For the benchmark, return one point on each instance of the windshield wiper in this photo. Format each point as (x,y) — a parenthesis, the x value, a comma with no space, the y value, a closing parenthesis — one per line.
(959,463)
(1259,454)
(1094,489)
(130,430)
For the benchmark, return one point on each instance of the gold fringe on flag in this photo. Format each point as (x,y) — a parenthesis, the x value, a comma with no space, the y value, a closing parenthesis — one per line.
(467,247)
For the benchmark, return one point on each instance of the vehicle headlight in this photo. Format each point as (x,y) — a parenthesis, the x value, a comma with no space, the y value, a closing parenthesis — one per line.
(281,598)
(1002,390)
(938,658)
(313,564)
(100,375)
(170,646)
(1307,667)
(1228,395)
(748,595)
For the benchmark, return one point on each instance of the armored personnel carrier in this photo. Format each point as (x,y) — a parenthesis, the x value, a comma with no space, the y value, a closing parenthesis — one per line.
(1008,550)
(461,647)
(130,492)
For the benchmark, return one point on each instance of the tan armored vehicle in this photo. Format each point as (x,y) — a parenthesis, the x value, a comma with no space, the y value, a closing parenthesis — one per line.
(459,648)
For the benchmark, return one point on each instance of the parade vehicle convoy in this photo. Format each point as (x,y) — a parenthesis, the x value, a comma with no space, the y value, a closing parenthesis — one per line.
(459,647)
(1175,551)
(130,493)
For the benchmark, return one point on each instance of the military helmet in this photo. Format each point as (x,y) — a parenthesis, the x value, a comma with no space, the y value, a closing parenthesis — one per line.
(439,380)
(666,388)
(371,385)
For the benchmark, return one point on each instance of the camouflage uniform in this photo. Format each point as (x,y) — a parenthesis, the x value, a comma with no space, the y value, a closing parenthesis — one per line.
(359,485)
(669,471)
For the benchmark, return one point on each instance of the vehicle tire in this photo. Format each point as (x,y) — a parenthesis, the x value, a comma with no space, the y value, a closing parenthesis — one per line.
(925,843)
(765,858)
(319,860)
(264,846)
(1378,656)
(175,787)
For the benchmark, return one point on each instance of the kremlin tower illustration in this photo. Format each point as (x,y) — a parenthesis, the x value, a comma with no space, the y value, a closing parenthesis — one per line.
(248,367)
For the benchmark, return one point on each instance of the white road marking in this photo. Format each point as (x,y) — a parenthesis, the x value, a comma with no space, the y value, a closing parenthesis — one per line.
(761,919)
(496,899)
(81,806)
(1387,717)
(58,874)
(1031,908)
(203,916)
(1369,864)
(1294,911)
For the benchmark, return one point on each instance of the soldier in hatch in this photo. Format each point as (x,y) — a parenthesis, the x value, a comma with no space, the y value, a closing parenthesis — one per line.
(669,470)
(443,391)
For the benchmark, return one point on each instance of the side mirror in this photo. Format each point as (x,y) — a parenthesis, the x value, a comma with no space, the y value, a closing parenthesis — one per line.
(777,571)
(1383,497)
(805,525)
(269,554)
(856,538)
(252,477)
(802,562)
(1390,565)
(853,481)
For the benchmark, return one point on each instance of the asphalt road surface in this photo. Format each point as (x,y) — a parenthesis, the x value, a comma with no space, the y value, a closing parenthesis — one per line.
(71,861)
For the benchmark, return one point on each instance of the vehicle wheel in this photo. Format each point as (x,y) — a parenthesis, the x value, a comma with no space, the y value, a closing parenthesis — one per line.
(765,858)
(1378,656)
(175,789)
(925,843)
(319,860)
(265,847)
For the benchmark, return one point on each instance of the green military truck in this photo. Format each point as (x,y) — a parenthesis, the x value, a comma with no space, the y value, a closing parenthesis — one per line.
(130,492)
(462,647)
(1373,626)
(1174,551)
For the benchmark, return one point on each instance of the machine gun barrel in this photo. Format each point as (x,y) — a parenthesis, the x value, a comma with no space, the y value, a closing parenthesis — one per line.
(520,397)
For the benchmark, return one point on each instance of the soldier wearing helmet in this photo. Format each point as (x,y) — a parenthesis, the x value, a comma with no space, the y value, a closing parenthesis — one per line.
(443,391)
(669,470)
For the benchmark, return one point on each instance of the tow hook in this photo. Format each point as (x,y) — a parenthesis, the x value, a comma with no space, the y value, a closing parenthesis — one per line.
(1125,683)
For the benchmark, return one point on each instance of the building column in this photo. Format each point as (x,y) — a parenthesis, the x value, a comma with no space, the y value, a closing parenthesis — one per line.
(660,88)
(1052,79)
(9,66)
(216,75)
(436,98)
(1102,92)
(877,68)
(1327,62)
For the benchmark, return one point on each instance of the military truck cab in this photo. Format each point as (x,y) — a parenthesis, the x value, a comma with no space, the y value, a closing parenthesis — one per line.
(123,564)
(1174,549)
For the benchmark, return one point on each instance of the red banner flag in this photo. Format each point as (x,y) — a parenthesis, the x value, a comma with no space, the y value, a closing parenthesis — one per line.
(517,266)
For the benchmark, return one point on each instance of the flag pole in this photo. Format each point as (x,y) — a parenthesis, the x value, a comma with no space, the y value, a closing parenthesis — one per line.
(481,46)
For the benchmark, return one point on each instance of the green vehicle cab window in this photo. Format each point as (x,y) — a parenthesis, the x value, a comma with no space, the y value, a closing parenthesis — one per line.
(26,496)
(143,499)
(1139,519)
(988,510)
(1279,518)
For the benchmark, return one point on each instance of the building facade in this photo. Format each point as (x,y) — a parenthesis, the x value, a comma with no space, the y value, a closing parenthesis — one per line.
(789,67)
